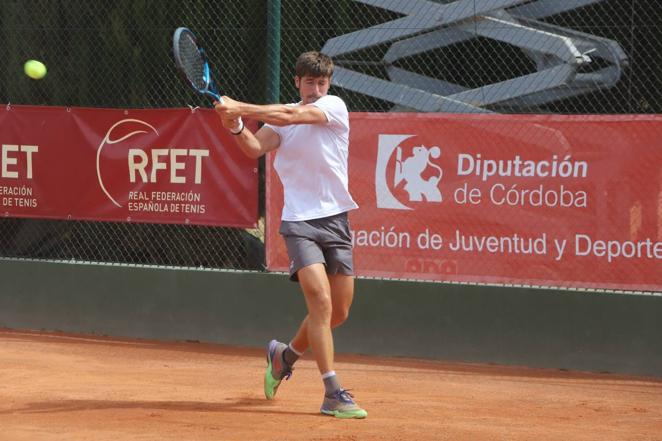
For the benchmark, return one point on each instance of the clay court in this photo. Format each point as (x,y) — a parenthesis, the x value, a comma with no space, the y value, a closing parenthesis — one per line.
(70,387)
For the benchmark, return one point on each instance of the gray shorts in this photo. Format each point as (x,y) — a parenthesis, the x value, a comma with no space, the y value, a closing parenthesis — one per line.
(326,240)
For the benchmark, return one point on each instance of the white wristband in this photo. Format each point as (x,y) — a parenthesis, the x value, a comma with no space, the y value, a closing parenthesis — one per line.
(241,128)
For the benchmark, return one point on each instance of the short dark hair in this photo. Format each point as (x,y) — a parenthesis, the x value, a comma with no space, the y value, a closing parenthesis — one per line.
(314,64)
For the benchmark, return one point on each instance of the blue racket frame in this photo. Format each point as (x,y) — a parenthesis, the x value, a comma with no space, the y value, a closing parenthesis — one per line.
(210,88)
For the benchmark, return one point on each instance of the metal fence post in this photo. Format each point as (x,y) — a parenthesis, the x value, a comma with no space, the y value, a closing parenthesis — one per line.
(273,51)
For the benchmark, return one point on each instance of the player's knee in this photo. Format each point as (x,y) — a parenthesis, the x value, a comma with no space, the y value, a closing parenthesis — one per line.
(319,306)
(339,316)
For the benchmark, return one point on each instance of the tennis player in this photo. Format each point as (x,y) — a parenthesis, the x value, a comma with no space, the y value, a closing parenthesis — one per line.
(312,139)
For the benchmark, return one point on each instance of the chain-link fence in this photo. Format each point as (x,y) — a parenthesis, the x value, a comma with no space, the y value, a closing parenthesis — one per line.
(504,56)
(118,54)
(536,56)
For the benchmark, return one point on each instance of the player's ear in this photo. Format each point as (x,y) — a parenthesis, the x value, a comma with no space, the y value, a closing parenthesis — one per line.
(297,81)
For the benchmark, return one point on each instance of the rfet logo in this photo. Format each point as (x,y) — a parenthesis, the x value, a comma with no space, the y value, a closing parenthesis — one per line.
(116,134)
(406,172)
(128,160)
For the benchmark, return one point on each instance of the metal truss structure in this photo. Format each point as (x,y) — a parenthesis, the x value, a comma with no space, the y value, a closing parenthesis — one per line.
(567,62)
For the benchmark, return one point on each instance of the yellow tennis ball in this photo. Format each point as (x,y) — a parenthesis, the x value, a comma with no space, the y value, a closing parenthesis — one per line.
(35,69)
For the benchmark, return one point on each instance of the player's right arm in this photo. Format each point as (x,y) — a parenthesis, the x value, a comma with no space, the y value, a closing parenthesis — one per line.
(273,114)
(255,144)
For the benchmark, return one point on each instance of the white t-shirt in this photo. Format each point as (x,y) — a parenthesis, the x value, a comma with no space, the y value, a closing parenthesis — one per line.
(311,162)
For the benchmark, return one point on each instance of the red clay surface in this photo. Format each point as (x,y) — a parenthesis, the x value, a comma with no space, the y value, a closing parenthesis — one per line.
(68,387)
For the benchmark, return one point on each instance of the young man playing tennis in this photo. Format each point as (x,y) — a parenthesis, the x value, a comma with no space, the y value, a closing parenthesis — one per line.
(312,138)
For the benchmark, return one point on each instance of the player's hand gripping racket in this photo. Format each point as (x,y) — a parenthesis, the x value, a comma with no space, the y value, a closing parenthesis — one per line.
(192,63)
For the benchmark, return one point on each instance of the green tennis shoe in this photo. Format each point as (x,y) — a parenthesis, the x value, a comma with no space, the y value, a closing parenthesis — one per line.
(277,369)
(340,404)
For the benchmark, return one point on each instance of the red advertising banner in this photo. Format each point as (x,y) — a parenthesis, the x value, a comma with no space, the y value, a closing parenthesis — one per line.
(156,166)
(572,201)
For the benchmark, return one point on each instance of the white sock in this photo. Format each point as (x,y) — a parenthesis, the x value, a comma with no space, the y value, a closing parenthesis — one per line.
(294,350)
(328,374)
(331,383)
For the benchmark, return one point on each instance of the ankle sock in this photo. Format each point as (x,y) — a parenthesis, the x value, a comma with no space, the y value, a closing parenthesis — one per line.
(331,383)
(290,355)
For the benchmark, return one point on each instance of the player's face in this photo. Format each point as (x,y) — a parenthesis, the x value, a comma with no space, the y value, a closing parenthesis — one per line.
(312,88)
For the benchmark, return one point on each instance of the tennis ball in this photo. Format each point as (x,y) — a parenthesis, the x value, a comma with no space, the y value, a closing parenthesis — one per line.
(35,69)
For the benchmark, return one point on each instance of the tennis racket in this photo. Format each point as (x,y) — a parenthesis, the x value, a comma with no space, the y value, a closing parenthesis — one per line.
(192,63)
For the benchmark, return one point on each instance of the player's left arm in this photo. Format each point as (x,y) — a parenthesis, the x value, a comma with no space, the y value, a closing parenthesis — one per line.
(274,114)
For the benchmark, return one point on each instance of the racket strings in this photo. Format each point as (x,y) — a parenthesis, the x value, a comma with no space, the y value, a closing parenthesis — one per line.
(192,62)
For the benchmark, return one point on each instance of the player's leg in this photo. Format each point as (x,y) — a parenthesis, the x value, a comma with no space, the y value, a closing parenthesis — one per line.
(337,248)
(317,293)
(303,252)
(316,286)
(321,259)
(342,295)
(339,402)
(332,235)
